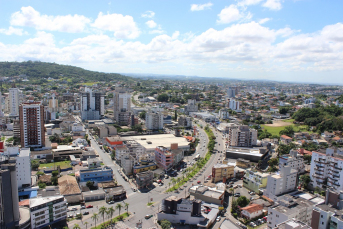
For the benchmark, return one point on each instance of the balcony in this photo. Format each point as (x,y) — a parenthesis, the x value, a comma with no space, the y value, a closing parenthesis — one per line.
(318,173)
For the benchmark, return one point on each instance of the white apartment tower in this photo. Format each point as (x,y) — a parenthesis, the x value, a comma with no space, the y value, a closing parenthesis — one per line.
(242,136)
(328,166)
(294,160)
(14,94)
(154,120)
(23,165)
(122,106)
(191,106)
(92,105)
(234,105)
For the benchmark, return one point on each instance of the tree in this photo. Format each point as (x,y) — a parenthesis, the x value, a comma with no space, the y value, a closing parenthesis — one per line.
(307,158)
(273,161)
(165,224)
(90,184)
(54,180)
(284,149)
(111,211)
(142,115)
(119,207)
(127,207)
(242,201)
(289,131)
(86,223)
(305,180)
(95,218)
(40,173)
(76,226)
(34,164)
(162,98)
(102,212)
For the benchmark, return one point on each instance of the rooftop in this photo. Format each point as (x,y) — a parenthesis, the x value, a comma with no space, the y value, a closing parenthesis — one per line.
(24,152)
(43,200)
(253,208)
(68,185)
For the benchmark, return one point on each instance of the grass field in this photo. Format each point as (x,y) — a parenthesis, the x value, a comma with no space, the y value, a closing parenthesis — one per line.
(275,130)
(63,164)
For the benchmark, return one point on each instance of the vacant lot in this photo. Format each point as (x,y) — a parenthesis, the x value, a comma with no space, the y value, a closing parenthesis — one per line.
(279,125)
(63,164)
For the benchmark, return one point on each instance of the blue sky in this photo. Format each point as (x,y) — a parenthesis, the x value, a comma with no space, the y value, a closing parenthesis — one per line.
(287,40)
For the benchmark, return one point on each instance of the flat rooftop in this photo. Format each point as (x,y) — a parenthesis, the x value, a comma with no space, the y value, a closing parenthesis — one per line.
(24,152)
(38,201)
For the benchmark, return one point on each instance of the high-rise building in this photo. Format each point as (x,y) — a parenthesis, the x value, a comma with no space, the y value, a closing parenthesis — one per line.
(242,136)
(231,92)
(14,95)
(23,167)
(154,120)
(9,201)
(1,113)
(234,105)
(31,116)
(92,105)
(191,106)
(122,106)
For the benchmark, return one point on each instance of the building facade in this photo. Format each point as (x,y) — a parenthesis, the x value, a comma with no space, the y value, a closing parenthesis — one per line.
(191,106)
(254,180)
(14,101)
(294,160)
(96,175)
(222,172)
(154,120)
(23,167)
(242,136)
(92,105)
(32,131)
(164,158)
(122,106)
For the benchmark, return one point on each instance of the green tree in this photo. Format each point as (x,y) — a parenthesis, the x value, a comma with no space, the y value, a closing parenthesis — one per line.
(273,161)
(284,149)
(102,212)
(111,210)
(90,184)
(242,201)
(305,180)
(95,218)
(163,98)
(142,115)
(289,131)
(76,226)
(54,180)
(127,207)
(34,164)
(165,224)
(307,158)
(86,223)
(40,173)
(119,207)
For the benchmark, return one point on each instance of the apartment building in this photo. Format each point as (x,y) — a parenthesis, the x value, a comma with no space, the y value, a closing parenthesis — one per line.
(46,211)
(224,113)
(242,136)
(122,106)
(92,105)
(222,172)
(121,150)
(294,160)
(281,182)
(231,92)
(164,158)
(23,167)
(327,166)
(32,132)
(184,121)
(14,101)
(154,120)
(191,106)
(288,208)
(254,180)
(234,105)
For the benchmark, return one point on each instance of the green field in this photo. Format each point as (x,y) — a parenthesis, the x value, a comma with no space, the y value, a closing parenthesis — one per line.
(63,164)
(276,130)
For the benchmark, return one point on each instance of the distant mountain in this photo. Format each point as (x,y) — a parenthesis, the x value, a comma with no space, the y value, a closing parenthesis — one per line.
(39,70)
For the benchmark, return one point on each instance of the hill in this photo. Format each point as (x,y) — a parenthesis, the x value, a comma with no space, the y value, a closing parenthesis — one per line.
(38,70)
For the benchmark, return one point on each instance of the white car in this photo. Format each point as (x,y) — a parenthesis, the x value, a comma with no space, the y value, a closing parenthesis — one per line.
(218,218)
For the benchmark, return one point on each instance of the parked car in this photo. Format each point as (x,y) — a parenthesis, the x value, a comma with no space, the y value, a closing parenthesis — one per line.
(199,182)
(74,209)
(111,202)
(83,207)
(218,218)
(148,216)
(89,206)
(237,194)
(71,216)
(85,213)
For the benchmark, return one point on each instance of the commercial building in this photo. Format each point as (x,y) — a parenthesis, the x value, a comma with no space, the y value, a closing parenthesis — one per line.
(96,175)
(221,172)
(32,132)
(191,106)
(143,166)
(293,224)
(251,154)
(242,136)
(327,166)
(185,121)
(92,105)
(69,188)
(168,158)
(122,106)
(9,201)
(23,167)
(154,120)
(288,208)
(224,113)
(281,182)
(46,211)
(207,194)
(294,160)
(14,101)
(254,180)
(144,179)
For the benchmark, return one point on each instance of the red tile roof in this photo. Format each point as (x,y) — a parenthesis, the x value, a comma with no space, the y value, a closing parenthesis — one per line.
(253,208)
(285,137)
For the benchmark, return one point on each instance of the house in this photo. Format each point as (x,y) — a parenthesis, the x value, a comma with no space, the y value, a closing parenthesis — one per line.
(337,140)
(285,139)
(252,211)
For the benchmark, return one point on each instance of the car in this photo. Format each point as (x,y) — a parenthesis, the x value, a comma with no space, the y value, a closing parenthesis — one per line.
(160,184)
(74,209)
(111,202)
(89,206)
(148,216)
(85,213)
(83,207)
(199,182)
(71,216)
(218,218)
(237,194)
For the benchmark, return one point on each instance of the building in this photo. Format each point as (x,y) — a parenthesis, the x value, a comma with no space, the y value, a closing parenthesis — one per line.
(164,158)
(293,224)
(294,160)
(234,105)
(96,175)
(288,208)
(224,113)
(14,101)
(327,166)
(231,92)
(252,211)
(144,179)
(282,182)
(23,167)
(121,150)
(127,163)
(122,106)
(154,120)
(46,211)
(69,188)
(243,136)
(221,172)
(207,194)
(330,213)
(92,105)
(191,106)
(254,180)
(185,121)
(32,132)
(285,139)
(143,166)
(9,201)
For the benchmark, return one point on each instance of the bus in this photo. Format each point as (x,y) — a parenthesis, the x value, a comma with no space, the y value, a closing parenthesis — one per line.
(197,157)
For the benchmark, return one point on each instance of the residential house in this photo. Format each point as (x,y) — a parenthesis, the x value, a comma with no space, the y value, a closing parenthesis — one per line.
(252,211)
(285,139)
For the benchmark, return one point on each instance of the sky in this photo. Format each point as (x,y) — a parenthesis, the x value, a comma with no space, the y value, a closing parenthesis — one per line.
(283,40)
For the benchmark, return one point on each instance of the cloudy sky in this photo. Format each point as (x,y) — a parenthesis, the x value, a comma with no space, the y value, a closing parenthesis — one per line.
(288,40)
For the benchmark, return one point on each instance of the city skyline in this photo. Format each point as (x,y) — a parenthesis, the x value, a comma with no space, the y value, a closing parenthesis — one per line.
(294,41)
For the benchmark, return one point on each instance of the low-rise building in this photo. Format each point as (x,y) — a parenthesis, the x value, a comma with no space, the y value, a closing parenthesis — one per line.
(46,211)
(144,179)
(285,139)
(222,172)
(69,188)
(252,211)
(143,166)
(207,194)
(95,175)
(254,180)
(293,224)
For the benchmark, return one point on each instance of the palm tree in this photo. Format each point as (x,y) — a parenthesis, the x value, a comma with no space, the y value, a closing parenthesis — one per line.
(85,223)
(173,180)
(111,211)
(95,218)
(108,214)
(169,184)
(76,226)
(127,208)
(119,207)
(102,212)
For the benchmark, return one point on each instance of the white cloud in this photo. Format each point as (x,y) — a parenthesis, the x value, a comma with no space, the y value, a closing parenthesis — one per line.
(28,16)
(199,7)
(229,14)
(273,4)
(156,31)
(92,39)
(333,32)
(175,35)
(11,30)
(124,27)
(41,39)
(264,20)
(151,24)
(148,14)
(249,2)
